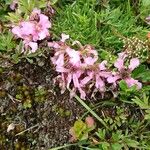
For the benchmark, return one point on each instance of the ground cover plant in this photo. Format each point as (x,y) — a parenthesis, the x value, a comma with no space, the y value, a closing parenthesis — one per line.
(74,74)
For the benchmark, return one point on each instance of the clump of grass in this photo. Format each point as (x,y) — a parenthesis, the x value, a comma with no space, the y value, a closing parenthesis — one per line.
(95,24)
(79,21)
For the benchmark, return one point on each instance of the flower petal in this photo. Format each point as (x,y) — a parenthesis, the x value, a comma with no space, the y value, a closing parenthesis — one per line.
(134,63)
(102,65)
(85,80)
(119,64)
(113,79)
(131,82)
(34,46)
(76,81)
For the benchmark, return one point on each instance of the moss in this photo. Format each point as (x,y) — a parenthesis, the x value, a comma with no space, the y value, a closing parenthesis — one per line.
(67,113)
(2,93)
(19,96)
(1,70)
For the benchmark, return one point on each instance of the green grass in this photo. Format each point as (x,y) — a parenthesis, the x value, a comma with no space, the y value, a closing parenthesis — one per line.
(100,26)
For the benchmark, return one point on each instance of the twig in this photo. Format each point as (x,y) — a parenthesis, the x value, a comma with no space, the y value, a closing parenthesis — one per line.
(27,129)
(12,98)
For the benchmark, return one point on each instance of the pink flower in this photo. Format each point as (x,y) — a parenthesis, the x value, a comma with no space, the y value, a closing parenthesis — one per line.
(74,56)
(124,73)
(24,30)
(33,30)
(32,45)
(96,76)
(89,55)
(41,28)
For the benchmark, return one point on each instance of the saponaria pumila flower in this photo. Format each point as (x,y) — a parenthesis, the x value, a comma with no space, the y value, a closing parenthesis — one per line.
(81,70)
(33,30)
(124,72)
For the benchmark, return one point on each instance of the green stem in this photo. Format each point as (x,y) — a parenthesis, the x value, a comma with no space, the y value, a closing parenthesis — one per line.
(90,110)
(64,146)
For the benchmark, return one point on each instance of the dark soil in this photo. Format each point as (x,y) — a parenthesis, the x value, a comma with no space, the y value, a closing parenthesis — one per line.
(41,120)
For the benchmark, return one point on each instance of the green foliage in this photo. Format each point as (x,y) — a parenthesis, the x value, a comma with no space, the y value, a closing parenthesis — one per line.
(118,120)
(80,130)
(25,7)
(79,20)
(144,104)
(142,73)
(106,55)
(144,8)
(101,28)
(100,23)
(126,92)
(6,42)
(117,140)
(40,94)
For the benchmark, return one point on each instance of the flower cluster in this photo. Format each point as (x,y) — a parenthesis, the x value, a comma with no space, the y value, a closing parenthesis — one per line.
(33,30)
(81,71)
(135,47)
(123,72)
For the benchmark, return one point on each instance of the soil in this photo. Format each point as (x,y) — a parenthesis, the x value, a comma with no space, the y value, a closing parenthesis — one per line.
(40,116)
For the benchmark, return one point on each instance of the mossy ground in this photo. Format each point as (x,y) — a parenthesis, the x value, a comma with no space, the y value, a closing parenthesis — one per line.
(48,113)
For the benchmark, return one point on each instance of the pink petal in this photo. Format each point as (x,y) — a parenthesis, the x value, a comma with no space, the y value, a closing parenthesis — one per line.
(16,30)
(119,64)
(131,82)
(43,34)
(74,56)
(13,4)
(134,63)
(85,80)
(44,21)
(90,61)
(99,82)
(36,11)
(60,60)
(105,74)
(90,122)
(27,28)
(61,69)
(94,52)
(82,93)
(34,46)
(75,81)
(69,78)
(122,55)
(113,79)
(102,65)
(72,93)
(53,44)
(64,37)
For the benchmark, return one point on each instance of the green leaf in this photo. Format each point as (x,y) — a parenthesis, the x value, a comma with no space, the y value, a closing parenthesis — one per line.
(132,143)
(101,133)
(116,146)
(142,103)
(105,145)
(123,85)
(146,3)
(116,136)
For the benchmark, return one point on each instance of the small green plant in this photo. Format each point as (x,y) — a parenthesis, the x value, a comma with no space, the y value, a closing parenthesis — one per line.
(80,130)
(40,94)
(144,104)
(7,43)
